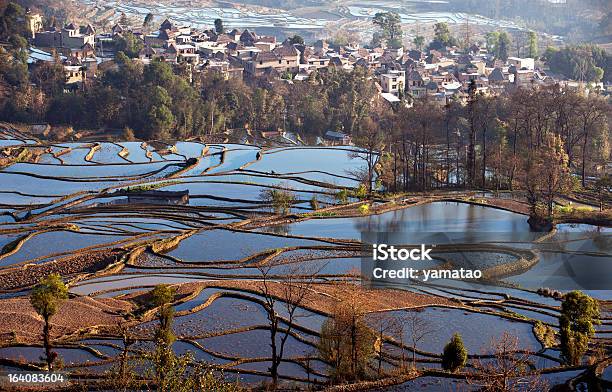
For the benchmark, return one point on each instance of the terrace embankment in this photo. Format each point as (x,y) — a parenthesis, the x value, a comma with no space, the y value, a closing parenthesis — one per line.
(29,274)
(19,323)
(323,296)
(520,207)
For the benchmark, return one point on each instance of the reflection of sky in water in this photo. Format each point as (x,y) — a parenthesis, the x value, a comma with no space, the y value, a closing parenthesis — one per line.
(33,354)
(433,384)
(213,245)
(89,171)
(457,221)
(443,323)
(233,17)
(55,242)
(576,257)
(205,16)
(126,281)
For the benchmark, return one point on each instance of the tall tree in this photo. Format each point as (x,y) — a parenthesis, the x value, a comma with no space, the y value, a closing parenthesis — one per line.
(418,42)
(296,40)
(423,126)
(486,116)
(498,43)
(532,44)
(578,314)
(159,118)
(418,328)
(129,44)
(592,115)
(148,20)
(46,298)
(546,175)
(492,39)
(472,118)
(162,297)
(503,46)
(383,324)
(370,138)
(219,28)
(49,76)
(390,24)
(346,340)
(11,20)
(442,37)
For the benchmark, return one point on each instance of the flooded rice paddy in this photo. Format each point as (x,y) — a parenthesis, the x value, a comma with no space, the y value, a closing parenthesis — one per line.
(81,198)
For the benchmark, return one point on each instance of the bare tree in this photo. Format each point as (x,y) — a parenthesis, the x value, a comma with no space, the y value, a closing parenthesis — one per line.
(593,114)
(128,341)
(288,295)
(485,113)
(424,122)
(546,175)
(370,139)
(383,323)
(471,152)
(419,328)
(508,370)
(347,341)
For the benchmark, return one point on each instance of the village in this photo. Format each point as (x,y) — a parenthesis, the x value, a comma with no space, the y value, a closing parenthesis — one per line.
(402,75)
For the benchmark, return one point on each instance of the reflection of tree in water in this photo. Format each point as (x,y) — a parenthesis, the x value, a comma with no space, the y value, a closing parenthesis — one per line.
(471,236)
(378,223)
(582,258)
(601,240)
(278,229)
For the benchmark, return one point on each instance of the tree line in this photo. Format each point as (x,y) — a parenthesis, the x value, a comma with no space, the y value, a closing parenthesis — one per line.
(495,142)
(159,101)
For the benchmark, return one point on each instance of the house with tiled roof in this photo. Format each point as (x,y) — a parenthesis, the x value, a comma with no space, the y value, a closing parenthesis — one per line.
(70,37)
(248,38)
(147,54)
(282,59)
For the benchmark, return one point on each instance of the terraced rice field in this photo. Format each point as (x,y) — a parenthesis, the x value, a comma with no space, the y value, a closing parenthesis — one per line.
(72,212)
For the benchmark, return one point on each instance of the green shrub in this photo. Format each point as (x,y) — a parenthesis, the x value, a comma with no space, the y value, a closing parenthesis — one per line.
(342,196)
(454,356)
(281,199)
(364,209)
(314,203)
(569,209)
(361,192)
(578,314)
(544,333)
(149,187)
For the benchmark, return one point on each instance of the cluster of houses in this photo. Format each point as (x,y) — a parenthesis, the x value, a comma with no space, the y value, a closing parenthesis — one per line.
(438,75)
